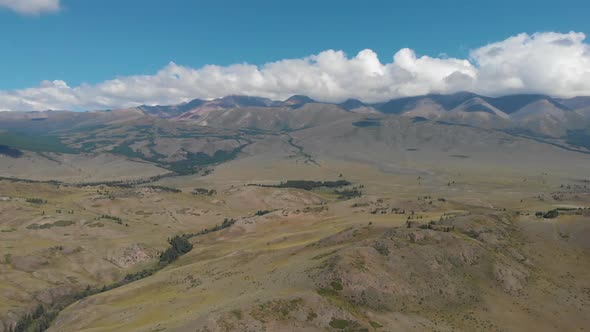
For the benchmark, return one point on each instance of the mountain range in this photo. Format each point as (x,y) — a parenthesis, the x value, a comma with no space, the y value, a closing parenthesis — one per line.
(406,215)
(533,115)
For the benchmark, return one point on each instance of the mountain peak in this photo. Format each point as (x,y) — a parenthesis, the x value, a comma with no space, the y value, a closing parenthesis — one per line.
(512,103)
(247,101)
(351,104)
(297,101)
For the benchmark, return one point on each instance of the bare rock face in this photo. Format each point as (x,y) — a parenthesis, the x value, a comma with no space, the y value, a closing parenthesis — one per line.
(384,276)
(8,322)
(406,270)
(434,266)
(416,237)
(511,277)
(134,254)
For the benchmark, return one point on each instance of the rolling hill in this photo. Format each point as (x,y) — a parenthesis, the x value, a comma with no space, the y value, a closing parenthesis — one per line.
(242,213)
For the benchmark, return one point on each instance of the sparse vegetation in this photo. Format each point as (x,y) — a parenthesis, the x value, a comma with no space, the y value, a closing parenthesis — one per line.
(309,185)
(340,324)
(195,161)
(179,246)
(327,292)
(311,316)
(237,313)
(138,275)
(375,325)
(38,320)
(324,255)
(552,214)
(227,222)
(59,223)
(367,123)
(381,248)
(34,142)
(165,189)
(336,285)
(263,212)
(204,191)
(192,163)
(348,193)
(301,152)
(36,201)
(278,308)
(109,217)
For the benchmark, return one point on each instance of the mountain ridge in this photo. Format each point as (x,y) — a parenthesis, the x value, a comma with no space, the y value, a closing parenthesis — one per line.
(507,103)
(536,113)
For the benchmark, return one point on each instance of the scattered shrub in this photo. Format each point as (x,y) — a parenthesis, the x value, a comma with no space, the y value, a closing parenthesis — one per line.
(551,214)
(203,191)
(309,185)
(340,324)
(38,320)
(375,325)
(336,285)
(263,212)
(382,249)
(117,219)
(348,193)
(59,223)
(166,189)
(36,200)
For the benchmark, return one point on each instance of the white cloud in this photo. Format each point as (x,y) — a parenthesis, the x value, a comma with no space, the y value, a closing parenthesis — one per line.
(31,7)
(549,63)
(552,63)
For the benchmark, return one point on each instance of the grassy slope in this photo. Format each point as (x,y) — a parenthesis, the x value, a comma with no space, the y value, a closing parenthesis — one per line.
(34,142)
(262,269)
(90,251)
(230,278)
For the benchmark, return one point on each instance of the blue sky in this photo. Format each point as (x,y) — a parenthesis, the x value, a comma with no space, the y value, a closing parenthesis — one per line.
(91,41)
(84,54)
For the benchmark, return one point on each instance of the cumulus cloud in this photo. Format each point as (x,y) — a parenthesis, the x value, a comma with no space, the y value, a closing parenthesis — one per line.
(31,7)
(552,63)
(556,64)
